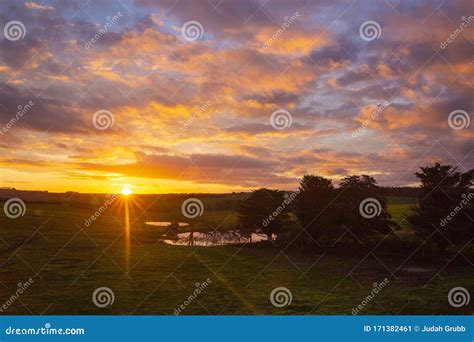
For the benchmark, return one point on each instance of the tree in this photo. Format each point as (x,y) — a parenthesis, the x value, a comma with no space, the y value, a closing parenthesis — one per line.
(314,209)
(445,211)
(264,211)
(361,208)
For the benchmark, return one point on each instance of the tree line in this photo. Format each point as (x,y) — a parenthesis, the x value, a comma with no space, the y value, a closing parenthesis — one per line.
(318,214)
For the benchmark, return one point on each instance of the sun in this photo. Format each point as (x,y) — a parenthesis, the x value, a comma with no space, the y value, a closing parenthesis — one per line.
(126,191)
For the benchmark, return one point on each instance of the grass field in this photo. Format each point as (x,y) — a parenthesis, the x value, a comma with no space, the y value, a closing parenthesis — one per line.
(68,261)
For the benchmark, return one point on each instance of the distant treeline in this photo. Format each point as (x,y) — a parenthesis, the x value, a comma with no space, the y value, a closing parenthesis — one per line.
(229,201)
(404,191)
(165,202)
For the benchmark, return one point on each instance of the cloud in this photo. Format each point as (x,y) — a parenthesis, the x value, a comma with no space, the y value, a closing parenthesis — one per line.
(53,115)
(219,92)
(204,168)
(34,6)
(258,128)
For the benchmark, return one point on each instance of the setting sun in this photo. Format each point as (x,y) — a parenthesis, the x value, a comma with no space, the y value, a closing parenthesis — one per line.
(126,191)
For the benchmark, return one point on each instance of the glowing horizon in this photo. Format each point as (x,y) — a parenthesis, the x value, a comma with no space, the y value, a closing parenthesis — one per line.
(100,96)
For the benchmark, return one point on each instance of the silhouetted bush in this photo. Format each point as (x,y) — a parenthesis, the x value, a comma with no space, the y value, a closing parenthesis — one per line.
(264,211)
(445,211)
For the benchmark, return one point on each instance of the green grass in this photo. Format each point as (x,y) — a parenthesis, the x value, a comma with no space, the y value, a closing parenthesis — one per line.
(399,213)
(68,261)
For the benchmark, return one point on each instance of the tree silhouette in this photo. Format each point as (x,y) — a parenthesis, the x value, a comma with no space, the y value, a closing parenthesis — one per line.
(314,209)
(362,220)
(445,212)
(264,211)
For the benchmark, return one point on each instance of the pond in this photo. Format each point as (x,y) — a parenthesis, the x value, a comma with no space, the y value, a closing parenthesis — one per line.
(214,239)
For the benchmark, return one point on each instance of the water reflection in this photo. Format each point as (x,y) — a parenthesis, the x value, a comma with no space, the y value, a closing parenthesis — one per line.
(214,239)
(166,224)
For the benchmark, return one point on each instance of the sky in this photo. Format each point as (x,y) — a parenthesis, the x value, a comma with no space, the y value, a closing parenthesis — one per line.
(220,96)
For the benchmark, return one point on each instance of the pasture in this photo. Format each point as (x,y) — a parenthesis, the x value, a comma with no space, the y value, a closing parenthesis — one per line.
(68,261)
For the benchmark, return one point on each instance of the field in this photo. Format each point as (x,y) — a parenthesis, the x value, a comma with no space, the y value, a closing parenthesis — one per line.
(68,260)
